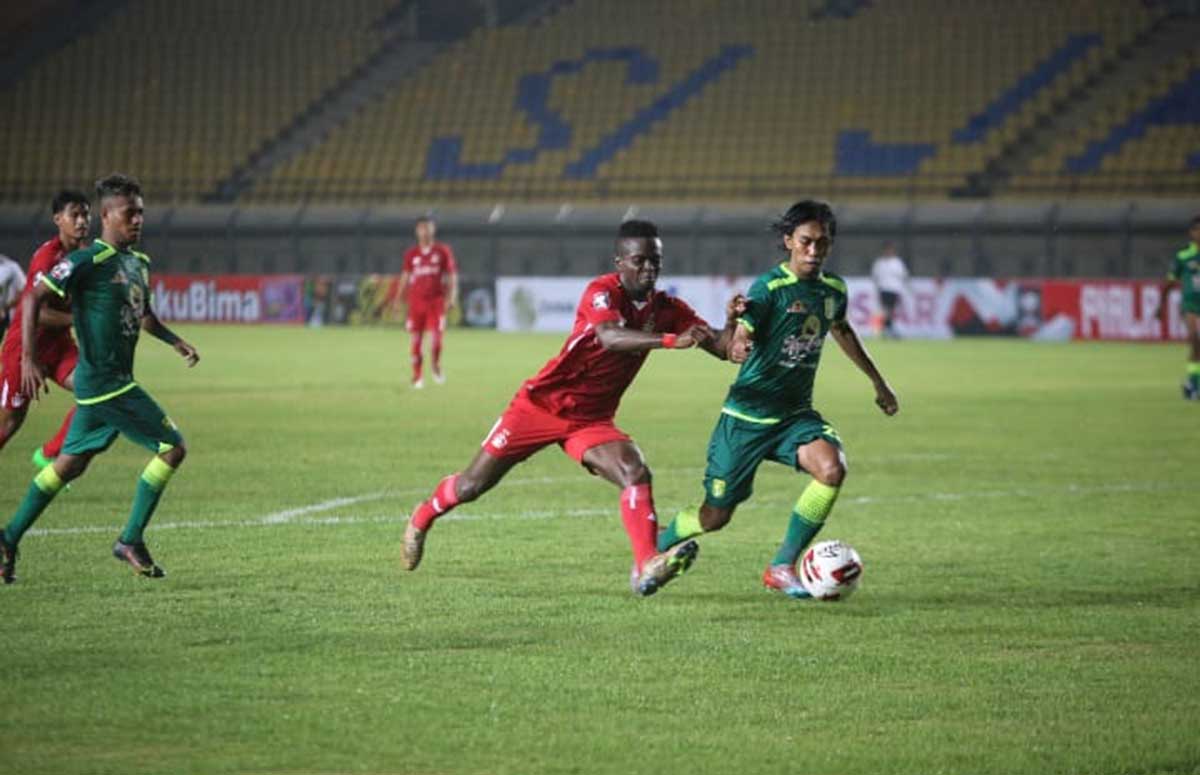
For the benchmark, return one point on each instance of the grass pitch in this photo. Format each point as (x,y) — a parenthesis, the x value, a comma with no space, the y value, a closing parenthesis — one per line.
(1030,525)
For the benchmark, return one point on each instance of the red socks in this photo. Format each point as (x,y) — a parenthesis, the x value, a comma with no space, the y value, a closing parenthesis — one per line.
(443,499)
(415,350)
(54,446)
(637,513)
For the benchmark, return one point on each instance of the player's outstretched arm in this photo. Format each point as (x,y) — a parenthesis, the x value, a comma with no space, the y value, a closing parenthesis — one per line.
(157,329)
(719,345)
(33,381)
(847,339)
(613,336)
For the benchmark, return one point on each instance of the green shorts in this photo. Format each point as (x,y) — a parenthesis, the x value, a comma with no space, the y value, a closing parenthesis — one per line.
(132,413)
(737,447)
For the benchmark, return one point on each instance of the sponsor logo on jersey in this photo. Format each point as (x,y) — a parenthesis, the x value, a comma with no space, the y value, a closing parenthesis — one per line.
(600,300)
(717,488)
(797,308)
(500,438)
(830,307)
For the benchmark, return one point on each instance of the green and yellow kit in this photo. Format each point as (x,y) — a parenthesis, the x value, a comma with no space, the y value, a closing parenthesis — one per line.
(109,290)
(1185,270)
(768,411)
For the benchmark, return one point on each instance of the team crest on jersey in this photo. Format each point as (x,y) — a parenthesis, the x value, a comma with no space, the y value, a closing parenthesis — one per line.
(61,271)
(830,307)
(600,300)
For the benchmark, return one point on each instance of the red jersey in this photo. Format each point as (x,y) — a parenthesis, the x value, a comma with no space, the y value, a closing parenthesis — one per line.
(49,340)
(427,268)
(585,381)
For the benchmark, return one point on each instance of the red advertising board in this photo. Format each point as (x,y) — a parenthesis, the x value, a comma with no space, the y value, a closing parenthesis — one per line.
(196,298)
(1120,310)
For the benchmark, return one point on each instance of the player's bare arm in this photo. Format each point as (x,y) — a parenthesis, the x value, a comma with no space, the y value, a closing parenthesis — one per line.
(848,339)
(741,344)
(613,336)
(718,346)
(157,329)
(452,290)
(33,381)
(402,291)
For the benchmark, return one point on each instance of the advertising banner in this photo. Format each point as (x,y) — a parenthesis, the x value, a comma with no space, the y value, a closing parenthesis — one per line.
(229,298)
(931,308)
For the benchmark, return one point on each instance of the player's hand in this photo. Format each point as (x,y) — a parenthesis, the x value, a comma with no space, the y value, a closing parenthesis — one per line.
(739,350)
(33,381)
(736,306)
(692,337)
(886,400)
(188,352)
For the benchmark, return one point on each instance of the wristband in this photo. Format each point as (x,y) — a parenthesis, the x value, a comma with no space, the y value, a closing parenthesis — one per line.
(668,341)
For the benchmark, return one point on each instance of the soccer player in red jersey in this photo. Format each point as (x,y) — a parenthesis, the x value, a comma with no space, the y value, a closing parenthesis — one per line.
(56,349)
(573,399)
(430,282)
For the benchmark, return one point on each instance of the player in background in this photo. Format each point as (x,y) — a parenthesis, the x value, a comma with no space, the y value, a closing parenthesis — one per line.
(57,354)
(429,283)
(768,412)
(1185,274)
(572,402)
(890,275)
(108,285)
(12,279)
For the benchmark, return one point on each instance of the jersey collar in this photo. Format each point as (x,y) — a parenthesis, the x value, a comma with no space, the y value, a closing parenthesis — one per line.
(791,276)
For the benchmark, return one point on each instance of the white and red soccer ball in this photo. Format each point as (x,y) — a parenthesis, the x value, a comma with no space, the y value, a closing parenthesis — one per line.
(830,570)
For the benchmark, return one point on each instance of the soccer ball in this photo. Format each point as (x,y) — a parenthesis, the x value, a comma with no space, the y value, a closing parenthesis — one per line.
(831,570)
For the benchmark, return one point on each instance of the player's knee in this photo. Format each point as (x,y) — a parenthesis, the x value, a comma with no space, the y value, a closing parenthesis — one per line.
(175,455)
(831,472)
(468,488)
(70,467)
(631,471)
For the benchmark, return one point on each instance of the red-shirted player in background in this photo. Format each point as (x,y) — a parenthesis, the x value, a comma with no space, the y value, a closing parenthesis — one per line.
(56,349)
(430,283)
(572,402)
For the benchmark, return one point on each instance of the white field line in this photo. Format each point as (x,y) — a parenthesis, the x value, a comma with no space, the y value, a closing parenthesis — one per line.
(302,515)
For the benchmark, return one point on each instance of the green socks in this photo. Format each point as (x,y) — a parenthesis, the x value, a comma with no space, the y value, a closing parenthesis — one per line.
(45,486)
(685,525)
(1194,375)
(808,517)
(150,487)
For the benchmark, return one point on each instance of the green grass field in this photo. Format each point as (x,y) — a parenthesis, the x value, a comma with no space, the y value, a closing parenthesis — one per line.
(1031,602)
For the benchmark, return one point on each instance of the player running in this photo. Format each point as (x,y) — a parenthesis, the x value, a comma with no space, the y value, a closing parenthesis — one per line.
(430,283)
(768,412)
(108,285)
(56,349)
(1185,274)
(572,402)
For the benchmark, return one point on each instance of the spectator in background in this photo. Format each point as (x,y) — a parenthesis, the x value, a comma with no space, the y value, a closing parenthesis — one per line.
(890,275)
(12,282)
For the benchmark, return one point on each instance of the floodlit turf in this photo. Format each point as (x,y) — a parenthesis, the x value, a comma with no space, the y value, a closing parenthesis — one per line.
(1030,525)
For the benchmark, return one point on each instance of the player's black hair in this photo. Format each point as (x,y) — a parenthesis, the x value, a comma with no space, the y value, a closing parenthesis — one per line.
(634,229)
(1195,221)
(803,212)
(424,219)
(68,196)
(118,184)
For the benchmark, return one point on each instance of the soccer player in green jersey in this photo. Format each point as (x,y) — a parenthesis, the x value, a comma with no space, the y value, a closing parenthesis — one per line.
(768,413)
(108,286)
(1185,273)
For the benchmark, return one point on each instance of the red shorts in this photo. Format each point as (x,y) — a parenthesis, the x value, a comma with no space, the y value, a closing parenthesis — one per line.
(427,315)
(525,427)
(56,364)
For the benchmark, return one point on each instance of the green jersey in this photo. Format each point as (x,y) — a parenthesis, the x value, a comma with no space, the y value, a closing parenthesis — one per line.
(109,291)
(788,318)
(1185,270)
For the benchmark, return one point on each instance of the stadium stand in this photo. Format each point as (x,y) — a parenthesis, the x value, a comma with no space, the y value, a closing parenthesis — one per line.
(1144,138)
(699,100)
(750,98)
(200,89)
